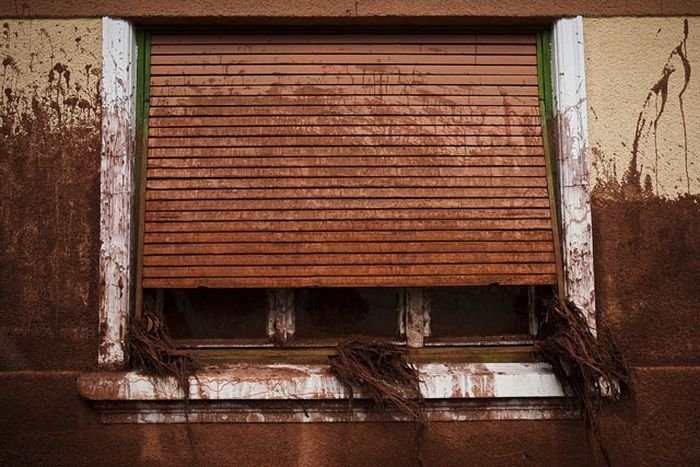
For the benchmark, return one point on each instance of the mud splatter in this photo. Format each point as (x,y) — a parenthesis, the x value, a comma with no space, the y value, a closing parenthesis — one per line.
(49,218)
(658,94)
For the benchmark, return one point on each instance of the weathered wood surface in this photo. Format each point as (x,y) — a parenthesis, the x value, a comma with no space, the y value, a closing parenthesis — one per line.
(572,121)
(281,319)
(116,182)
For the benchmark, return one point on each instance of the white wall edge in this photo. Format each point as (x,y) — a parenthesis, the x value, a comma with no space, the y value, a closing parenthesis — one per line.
(571,113)
(116,187)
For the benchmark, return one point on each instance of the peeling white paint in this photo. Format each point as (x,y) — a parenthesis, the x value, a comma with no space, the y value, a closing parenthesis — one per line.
(281,319)
(417,316)
(316,382)
(311,393)
(569,84)
(116,192)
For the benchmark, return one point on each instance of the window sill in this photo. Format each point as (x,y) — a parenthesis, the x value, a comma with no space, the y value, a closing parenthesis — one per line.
(307,393)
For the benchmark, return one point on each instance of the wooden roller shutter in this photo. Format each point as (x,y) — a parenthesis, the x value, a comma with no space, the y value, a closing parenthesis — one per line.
(341,160)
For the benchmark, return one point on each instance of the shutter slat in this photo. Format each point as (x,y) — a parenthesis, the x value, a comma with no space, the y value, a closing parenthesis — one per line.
(366,259)
(343,59)
(462,153)
(355,140)
(350,172)
(346,214)
(464,48)
(331,91)
(344,193)
(349,236)
(347,203)
(442,182)
(343,269)
(507,102)
(342,130)
(394,280)
(481,38)
(352,225)
(340,68)
(352,121)
(341,160)
(426,247)
(341,80)
(216,109)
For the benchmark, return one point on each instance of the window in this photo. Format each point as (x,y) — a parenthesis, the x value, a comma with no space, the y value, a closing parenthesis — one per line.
(511,389)
(366,166)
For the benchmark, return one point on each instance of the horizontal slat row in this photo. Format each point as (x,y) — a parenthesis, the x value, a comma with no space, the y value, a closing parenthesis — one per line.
(465,48)
(394,280)
(462,154)
(337,80)
(401,39)
(306,171)
(352,225)
(346,203)
(345,182)
(509,104)
(352,121)
(344,214)
(367,259)
(214,108)
(341,160)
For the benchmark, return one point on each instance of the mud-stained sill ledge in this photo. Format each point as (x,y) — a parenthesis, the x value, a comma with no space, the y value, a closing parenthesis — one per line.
(300,393)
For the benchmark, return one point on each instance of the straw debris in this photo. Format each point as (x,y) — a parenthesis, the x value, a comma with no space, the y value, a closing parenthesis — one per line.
(154,353)
(593,367)
(380,371)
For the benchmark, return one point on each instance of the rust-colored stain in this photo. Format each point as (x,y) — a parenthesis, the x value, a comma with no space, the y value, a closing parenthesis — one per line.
(49,159)
(647,247)
(659,94)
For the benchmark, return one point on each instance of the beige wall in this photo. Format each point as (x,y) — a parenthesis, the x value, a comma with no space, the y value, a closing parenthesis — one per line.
(49,191)
(625,59)
(57,62)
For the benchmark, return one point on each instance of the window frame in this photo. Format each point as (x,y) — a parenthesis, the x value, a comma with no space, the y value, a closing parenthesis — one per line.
(414,307)
(533,384)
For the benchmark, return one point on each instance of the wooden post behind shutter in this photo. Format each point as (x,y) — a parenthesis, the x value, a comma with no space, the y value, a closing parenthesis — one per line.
(340,160)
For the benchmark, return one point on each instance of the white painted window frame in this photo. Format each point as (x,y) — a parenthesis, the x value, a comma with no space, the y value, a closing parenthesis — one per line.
(504,381)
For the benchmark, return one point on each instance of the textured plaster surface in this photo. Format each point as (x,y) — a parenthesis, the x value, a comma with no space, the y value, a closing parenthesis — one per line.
(646,183)
(625,61)
(49,154)
(214,10)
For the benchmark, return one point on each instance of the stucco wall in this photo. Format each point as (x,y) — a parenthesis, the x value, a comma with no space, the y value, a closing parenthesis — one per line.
(643,96)
(647,249)
(346,11)
(49,143)
(644,104)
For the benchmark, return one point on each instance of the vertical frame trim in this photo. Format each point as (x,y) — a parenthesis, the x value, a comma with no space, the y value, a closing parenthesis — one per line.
(570,113)
(116,188)
(544,80)
(142,106)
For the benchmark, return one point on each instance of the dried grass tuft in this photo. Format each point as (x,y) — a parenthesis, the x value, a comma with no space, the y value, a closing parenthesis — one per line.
(153,352)
(593,366)
(380,370)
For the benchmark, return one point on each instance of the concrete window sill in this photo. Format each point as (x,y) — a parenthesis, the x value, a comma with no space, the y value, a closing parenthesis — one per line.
(307,393)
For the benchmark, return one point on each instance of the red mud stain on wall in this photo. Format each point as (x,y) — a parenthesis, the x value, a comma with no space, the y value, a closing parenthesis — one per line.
(647,261)
(63,430)
(647,247)
(49,220)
